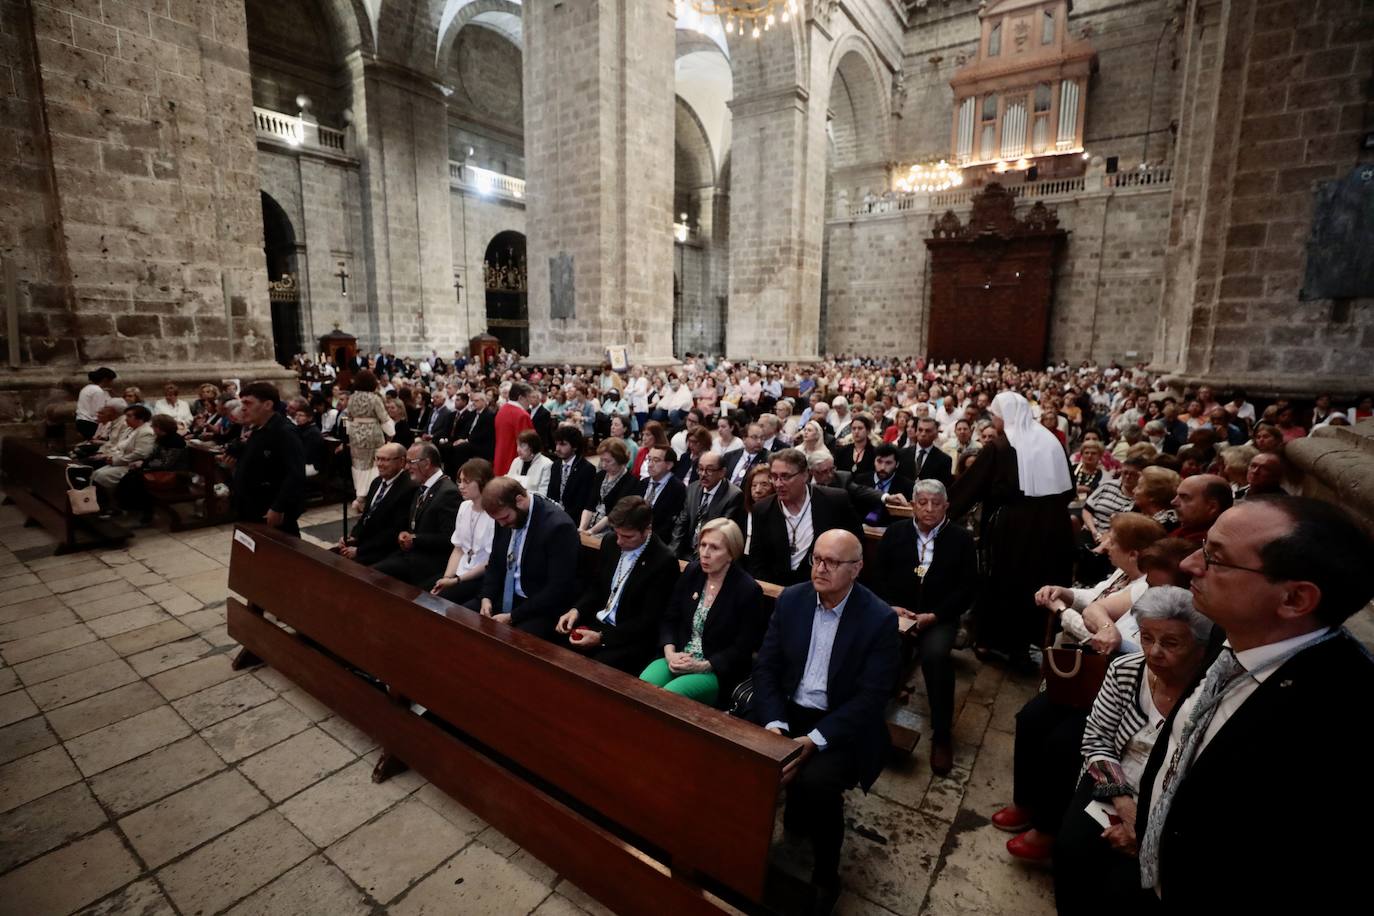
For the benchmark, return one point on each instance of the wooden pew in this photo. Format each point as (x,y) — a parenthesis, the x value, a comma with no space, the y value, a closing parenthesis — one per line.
(38,485)
(203,460)
(904,739)
(646,800)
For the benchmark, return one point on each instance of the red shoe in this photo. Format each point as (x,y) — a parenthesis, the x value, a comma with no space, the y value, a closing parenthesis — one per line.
(1012,819)
(1030,850)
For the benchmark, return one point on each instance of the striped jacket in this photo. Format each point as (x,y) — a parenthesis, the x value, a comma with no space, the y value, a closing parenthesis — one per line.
(1115,719)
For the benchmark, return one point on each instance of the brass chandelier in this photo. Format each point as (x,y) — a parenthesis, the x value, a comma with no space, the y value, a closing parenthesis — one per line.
(747,17)
(930,177)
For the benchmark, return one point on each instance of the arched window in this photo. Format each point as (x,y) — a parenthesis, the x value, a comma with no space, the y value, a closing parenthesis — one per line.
(995,40)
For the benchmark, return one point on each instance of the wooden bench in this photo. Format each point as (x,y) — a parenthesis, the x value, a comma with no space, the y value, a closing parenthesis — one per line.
(37,484)
(648,801)
(903,739)
(203,463)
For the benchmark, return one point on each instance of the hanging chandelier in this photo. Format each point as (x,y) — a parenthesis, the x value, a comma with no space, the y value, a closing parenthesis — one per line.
(745,17)
(930,177)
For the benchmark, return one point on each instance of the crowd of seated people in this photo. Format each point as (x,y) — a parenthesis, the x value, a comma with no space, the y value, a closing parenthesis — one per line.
(1001,504)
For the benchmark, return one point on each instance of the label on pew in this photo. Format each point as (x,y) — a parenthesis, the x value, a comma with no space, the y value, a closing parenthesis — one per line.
(246,541)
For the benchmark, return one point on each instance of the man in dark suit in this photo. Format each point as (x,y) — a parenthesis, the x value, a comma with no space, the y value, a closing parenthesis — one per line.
(384,510)
(533,565)
(1227,819)
(542,419)
(481,438)
(924,461)
(422,549)
(928,572)
(870,492)
(269,474)
(572,478)
(740,462)
(823,677)
(437,420)
(708,498)
(787,524)
(616,621)
(460,428)
(664,493)
(821,465)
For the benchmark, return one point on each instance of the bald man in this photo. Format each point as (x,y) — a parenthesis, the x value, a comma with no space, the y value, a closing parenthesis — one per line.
(1199,500)
(1264,476)
(823,677)
(383,512)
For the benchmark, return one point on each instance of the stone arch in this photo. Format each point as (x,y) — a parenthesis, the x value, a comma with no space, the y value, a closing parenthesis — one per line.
(694,160)
(299,47)
(506,288)
(860,127)
(283,256)
(459,13)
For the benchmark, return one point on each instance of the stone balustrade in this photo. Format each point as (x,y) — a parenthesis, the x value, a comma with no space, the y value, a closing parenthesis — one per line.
(485,182)
(296,131)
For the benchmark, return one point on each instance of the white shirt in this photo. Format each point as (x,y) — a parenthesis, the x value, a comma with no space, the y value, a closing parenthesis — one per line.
(735,445)
(89,402)
(799,530)
(925,546)
(433,479)
(623,568)
(472,533)
(180,411)
(1258,666)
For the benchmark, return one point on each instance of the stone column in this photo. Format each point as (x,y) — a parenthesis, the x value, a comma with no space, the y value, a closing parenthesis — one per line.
(1269,109)
(140,151)
(401,129)
(599,159)
(777,207)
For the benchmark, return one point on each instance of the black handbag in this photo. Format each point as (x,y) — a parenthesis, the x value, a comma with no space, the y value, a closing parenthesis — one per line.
(742,699)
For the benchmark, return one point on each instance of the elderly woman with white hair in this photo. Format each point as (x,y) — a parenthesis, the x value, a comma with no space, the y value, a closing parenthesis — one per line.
(1023,481)
(1095,849)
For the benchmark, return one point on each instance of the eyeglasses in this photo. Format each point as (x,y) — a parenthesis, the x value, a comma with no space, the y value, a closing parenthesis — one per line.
(705,469)
(783,478)
(827,563)
(1208,562)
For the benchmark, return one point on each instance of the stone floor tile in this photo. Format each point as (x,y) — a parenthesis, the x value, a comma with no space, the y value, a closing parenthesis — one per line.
(70,877)
(476,881)
(16,706)
(180,563)
(906,783)
(186,604)
(46,823)
(453,811)
(54,618)
(142,577)
(142,898)
(581,899)
(18,578)
(115,558)
(151,544)
(314,886)
(24,593)
(91,597)
(498,842)
(236,864)
(82,684)
(13,612)
(151,777)
(103,709)
(111,602)
(56,560)
(204,619)
(58,577)
(78,658)
(164,591)
(534,867)
(114,744)
(180,822)
(214,667)
(127,621)
(330,809)
(24,738)
(312,708)
(851,904)
(34,776)
(347,734)
(382,856)
(558,905)
(214,704)
(255,729)
(889,852)
(300,761)
(30,647)
(158,634)
(207,586)
(168,656)
(273,678)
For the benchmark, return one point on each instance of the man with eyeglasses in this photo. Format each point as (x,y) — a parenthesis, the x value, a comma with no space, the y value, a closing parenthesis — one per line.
(709,497)
(664,493)
(787,523)
(1233,812)
(424,544)
(823,677)
(383,511)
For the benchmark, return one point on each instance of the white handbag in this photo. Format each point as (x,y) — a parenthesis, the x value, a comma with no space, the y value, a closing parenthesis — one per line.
(81,499)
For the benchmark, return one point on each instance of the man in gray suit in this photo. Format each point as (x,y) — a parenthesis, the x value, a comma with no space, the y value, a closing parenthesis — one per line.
(711,496)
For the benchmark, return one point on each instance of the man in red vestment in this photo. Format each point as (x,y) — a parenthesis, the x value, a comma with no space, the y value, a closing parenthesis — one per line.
(511,420)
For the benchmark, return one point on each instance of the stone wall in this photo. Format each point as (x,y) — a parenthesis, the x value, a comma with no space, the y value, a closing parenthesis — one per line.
(1277,100)
(152,252)
(474,222)
(1107,285)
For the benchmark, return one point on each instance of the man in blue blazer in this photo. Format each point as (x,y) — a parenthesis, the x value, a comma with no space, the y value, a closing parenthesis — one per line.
(823,677)
(533,565)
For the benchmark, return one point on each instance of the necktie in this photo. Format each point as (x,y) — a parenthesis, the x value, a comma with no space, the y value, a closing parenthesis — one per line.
(1223,671)
(874,516)
(701,509)
(381,495)
(653,492)
(512,560)
(921,461)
